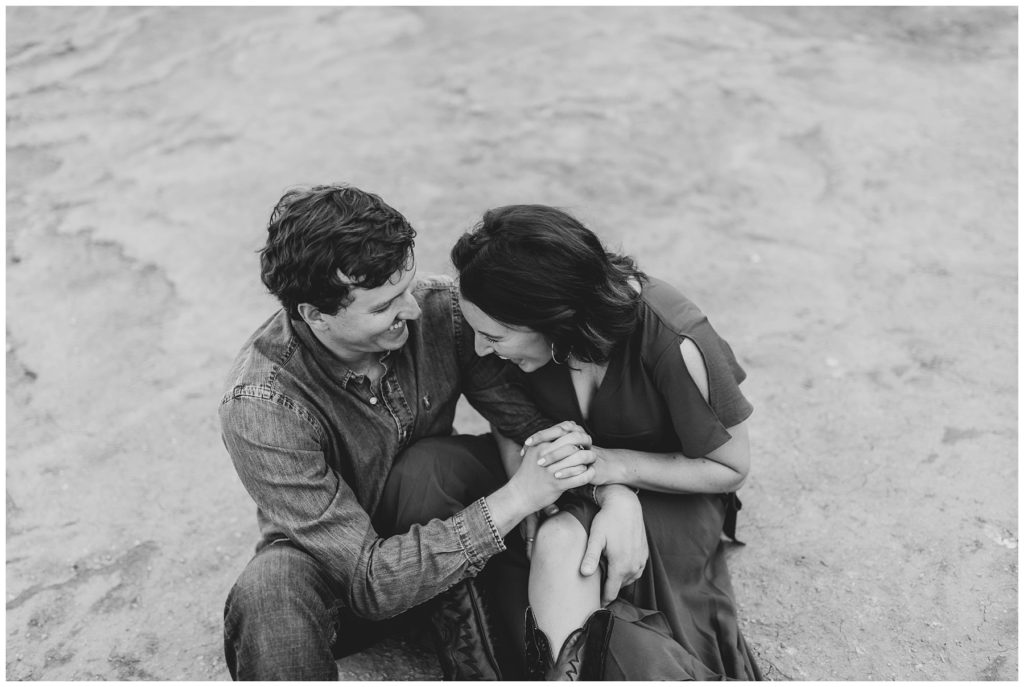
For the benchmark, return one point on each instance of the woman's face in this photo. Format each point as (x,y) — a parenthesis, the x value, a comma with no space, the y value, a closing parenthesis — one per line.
(526,348)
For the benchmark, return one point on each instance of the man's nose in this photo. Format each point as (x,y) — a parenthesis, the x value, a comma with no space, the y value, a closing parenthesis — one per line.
(410,308)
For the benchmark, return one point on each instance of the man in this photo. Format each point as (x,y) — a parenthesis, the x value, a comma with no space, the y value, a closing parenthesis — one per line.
(338,418)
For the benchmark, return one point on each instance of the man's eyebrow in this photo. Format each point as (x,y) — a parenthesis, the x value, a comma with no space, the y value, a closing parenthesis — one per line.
(384,304)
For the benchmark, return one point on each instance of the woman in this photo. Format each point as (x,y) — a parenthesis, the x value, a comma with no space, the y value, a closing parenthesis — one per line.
(654,392)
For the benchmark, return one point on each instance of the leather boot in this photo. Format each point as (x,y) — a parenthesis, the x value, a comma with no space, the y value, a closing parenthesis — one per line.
(536,648)
(464,634)
(581,657)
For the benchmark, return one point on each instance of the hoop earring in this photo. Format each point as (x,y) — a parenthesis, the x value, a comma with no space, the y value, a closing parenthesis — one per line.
(556,360)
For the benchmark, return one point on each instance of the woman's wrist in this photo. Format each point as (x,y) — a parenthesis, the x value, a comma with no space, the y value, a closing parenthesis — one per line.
(611,467)
(601,491)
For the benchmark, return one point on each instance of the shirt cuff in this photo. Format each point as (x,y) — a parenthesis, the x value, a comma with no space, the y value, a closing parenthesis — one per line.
(478,535)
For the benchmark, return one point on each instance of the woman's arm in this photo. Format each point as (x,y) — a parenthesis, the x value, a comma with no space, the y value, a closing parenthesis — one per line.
(721,470)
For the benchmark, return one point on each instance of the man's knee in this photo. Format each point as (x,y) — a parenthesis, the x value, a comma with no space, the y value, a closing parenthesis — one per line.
(280,576)
(279,618)
(437,477)
(453,463)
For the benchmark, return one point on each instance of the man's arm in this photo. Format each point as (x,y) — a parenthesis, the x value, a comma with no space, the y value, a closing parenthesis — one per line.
(494,389)
(512,457)
(510,451)
(280,462)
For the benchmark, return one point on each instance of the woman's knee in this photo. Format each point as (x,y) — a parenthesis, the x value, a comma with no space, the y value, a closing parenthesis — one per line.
(559,535)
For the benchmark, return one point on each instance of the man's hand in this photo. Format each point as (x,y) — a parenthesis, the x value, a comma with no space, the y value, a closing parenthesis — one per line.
(618,532)
(528,527)
(537,486)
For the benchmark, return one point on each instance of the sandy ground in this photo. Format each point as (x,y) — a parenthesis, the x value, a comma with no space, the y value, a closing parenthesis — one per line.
(837,188)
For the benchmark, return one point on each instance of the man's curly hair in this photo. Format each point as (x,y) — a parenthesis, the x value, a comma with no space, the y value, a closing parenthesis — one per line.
(324,240)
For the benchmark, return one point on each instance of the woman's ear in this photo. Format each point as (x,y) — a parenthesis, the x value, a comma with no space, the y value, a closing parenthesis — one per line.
(312,316)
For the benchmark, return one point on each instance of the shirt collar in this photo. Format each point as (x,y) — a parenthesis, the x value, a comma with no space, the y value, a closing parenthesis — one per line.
(335,369)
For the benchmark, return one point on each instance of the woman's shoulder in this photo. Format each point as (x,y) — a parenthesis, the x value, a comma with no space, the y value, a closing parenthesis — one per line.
(670,319)
(668,312)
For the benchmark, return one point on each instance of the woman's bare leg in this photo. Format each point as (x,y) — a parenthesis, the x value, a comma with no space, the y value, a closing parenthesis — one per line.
(561,598)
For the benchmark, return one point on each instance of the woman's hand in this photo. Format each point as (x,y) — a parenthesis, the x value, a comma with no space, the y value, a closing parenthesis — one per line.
(563,440)
(550,434)
(562,446)
(607,468)
(618,533)
(566,439)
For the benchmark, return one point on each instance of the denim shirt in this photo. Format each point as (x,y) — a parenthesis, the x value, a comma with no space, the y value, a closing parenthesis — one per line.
(313,444)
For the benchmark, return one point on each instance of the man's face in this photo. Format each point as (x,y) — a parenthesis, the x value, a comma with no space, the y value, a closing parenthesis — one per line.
(375,320)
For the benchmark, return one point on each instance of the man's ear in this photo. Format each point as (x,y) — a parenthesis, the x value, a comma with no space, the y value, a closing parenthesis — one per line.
(312,316)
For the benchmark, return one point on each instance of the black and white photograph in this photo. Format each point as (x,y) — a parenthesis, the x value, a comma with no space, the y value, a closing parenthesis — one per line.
(512,343)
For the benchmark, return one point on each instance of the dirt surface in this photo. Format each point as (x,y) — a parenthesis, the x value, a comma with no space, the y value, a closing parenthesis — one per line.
(837,188)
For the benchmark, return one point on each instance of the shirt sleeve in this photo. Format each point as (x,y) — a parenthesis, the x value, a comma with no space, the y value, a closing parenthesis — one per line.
(279,459)
(702,426)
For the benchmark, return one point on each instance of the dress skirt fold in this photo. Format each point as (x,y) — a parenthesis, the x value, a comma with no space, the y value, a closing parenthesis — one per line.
(678,621)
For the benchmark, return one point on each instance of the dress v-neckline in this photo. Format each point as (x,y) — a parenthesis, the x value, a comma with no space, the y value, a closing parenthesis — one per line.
(610,375)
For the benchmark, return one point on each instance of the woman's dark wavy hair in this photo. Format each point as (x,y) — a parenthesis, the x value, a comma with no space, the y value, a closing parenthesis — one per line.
(316,232)
(538,267)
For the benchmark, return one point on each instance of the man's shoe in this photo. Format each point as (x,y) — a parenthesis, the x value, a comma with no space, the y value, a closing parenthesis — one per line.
(463,634)
(537,649)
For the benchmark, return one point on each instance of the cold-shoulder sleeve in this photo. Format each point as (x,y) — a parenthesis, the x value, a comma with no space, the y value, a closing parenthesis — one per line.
(701,426)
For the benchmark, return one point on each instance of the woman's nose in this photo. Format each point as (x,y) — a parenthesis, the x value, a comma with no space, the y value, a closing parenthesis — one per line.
(481,346)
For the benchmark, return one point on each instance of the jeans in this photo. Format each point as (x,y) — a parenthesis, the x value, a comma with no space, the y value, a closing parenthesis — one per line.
(285,619)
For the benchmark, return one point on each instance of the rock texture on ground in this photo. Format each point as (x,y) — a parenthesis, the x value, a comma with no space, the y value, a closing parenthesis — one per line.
(836,187)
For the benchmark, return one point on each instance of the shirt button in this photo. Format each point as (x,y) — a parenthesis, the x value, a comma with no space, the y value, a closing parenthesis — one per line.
(373,400)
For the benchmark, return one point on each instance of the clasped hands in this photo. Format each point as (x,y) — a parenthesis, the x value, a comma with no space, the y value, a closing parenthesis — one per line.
(567,454)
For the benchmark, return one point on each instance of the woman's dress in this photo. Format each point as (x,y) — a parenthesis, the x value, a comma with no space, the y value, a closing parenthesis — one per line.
(678,620)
